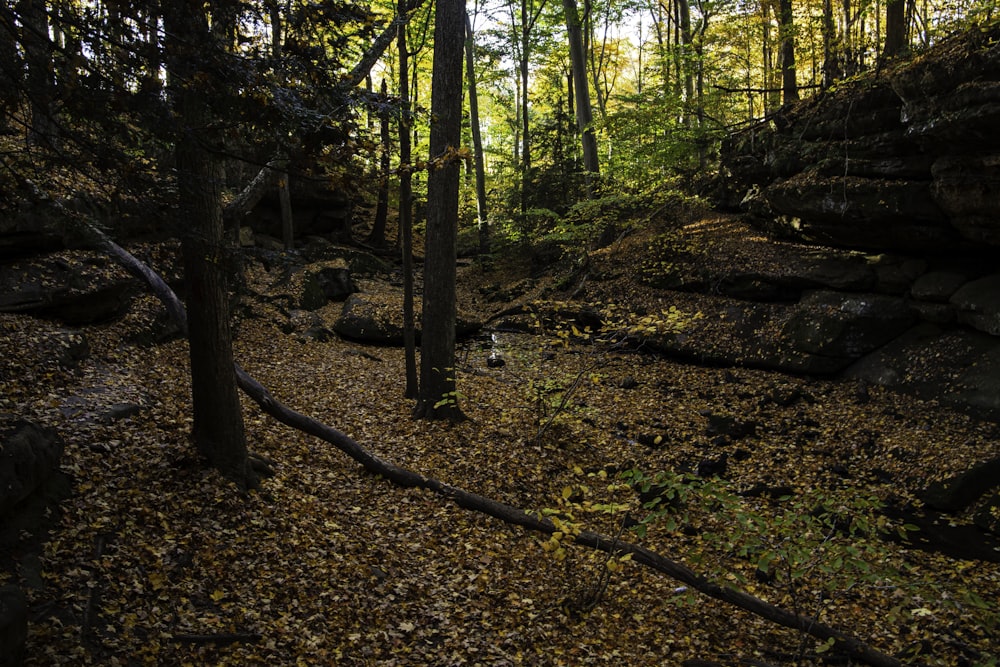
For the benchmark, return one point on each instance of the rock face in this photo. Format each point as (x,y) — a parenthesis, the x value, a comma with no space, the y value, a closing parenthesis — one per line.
(328,283)
(908,160)
(375,319)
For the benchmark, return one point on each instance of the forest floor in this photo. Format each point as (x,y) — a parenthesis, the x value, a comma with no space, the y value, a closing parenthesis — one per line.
(155,560)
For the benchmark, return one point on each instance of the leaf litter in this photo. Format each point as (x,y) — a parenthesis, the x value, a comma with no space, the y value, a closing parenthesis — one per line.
(156,560)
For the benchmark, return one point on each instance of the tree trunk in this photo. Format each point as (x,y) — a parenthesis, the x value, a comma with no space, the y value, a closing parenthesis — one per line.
(831,53)
(377,236)
(39,74)
(684,26)
(786,32)
(846,42)
(284,187)
(523,69)
(584,114)
(285,203)
(406,211)
(438,397)
(218,421)
(482,211)
(895,29)
(10,67)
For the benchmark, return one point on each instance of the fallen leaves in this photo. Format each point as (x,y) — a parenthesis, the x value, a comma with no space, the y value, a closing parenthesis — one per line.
(330,565)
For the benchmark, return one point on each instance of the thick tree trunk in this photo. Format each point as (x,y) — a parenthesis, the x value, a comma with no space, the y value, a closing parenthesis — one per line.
(438,397)
(686,55)
(832,70)
(895,29)
(39,75)
(218,421)
(789,79)
(10,67)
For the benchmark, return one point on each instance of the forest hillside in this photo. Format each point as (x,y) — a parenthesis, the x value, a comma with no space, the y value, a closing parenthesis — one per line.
(719,390)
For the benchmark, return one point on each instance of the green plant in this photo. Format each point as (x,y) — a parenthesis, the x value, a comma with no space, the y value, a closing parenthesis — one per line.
(808,550)
(450,398)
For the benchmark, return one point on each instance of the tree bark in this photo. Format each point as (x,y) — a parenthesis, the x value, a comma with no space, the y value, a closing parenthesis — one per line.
(381,43)
(406,212)
(10,67)
(482,210)
(266,178)
(832,70)
(376,237)
(39,72)
(786,32)
(218,420)
(895,29)
(287,219)
(438,397)
(584,113)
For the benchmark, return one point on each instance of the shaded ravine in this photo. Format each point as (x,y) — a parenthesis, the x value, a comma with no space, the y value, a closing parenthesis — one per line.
(852,647)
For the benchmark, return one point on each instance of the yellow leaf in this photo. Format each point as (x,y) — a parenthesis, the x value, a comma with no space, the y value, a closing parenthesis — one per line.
(217,595)
(157,580)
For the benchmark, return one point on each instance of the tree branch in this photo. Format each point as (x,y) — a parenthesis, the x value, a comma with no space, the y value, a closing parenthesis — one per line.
(265,179)
(378,47)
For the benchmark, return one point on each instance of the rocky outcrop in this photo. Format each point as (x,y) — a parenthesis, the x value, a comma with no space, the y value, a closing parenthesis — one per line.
(325,284)
(376,319)
(906,160)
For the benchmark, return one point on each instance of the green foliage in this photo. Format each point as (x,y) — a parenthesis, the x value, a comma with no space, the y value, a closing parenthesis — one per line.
(808,551)
(449,399)
(554,407)
(587,219)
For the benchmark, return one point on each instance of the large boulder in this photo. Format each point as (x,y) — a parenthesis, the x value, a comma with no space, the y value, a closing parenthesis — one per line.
(328,283)
(367,321)
(847,326)
(317,249)
(978,304)
(377,320)
(965,373)
(70,306)
(821,335)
